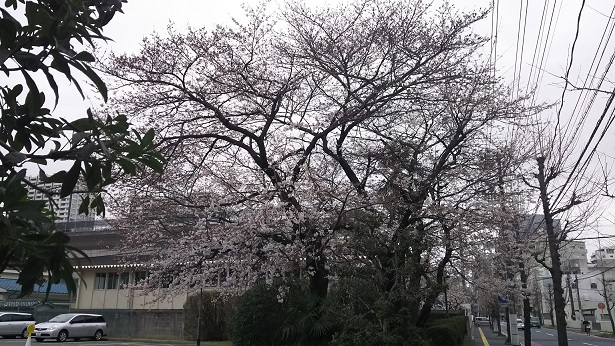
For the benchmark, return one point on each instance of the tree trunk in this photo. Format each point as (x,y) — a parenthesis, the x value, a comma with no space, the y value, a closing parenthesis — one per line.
(556,264)
(496,314)
(573,314)
(527,309)
(607,302)
(316,266)
(550,293)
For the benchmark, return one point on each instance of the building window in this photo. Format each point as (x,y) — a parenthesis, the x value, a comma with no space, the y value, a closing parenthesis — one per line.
(99,281)
(124,280)
(610,250)
(140,276)
(594,285)
(112,281)
(166,281)
(574,285)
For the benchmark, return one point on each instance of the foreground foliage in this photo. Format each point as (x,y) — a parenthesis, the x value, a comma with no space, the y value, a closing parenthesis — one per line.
(40,40)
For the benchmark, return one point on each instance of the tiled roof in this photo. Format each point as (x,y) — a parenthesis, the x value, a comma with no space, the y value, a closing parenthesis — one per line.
(11,285)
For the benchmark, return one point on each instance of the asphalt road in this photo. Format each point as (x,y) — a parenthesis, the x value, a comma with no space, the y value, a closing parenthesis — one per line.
(548,337)
(21,342)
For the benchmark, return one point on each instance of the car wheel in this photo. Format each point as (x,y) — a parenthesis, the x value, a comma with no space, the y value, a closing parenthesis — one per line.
(39,339)
(62,336)
(24,333)
(98,335)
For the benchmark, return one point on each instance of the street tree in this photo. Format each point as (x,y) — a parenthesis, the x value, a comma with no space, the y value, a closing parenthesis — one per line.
(567,197)
(608,294)
(39,41)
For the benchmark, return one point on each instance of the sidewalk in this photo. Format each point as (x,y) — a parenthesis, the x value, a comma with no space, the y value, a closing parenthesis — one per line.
(484,336)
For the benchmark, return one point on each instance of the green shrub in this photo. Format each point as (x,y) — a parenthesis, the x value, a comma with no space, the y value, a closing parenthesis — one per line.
(442,334)
(257,317)
(299,318)
(216,315)
(447,332)
(306,317)
(365,316)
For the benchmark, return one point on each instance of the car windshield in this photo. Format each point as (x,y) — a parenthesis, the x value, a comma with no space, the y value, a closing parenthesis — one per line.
(61,318)
(519,321)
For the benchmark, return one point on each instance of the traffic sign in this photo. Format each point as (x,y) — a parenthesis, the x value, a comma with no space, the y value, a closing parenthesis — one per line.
(601,306)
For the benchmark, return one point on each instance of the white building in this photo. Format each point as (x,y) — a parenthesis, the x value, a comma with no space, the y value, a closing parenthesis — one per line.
(66,209)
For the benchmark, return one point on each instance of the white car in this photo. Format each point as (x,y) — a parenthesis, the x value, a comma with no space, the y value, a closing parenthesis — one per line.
(520,324)
(13,324)
(71,326)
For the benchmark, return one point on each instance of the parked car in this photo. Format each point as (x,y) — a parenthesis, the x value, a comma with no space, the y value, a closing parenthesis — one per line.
(520,324)
(71,326)
(481,321)
(13,324)
(534,322)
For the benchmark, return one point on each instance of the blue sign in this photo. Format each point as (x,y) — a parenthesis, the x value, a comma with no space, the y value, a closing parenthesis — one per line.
(503,299)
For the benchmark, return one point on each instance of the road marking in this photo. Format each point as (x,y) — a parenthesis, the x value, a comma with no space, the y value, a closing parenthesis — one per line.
(482,336)
(549,334)
(589,344)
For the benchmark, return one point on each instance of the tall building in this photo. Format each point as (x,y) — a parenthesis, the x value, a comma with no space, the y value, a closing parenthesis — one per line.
(66,209)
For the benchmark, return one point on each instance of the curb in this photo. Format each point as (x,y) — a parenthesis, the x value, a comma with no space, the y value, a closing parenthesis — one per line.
(153,341)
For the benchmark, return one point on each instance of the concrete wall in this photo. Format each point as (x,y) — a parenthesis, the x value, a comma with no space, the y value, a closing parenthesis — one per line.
(88,297)
(148,324)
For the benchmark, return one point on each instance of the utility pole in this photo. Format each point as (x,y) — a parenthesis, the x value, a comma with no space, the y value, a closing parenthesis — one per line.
(576,280)
(550,293)
(572,314)
(198,326)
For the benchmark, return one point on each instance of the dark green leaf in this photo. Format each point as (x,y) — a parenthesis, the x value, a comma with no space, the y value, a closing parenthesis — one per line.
(71,179)
(4,53)
(148,138)
(100,85)
(83,124)
(127,165)
(27,60)
(84,206)
(57,177)
(52,83)
(84,56)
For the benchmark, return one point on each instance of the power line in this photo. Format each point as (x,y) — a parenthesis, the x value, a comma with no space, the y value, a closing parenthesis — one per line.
(517,48)
(522,45)
(537,45)
(579,123)
(574,44)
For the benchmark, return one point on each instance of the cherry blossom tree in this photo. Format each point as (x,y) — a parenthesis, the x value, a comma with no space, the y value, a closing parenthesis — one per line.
(315,141)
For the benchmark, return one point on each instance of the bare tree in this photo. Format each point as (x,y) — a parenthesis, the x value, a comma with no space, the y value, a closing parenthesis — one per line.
(608,295)
(567,199)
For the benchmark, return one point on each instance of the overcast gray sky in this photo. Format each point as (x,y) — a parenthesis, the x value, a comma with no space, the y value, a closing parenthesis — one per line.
(516,33)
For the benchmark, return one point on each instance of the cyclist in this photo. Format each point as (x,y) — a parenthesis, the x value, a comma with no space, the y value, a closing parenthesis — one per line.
(586,327)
